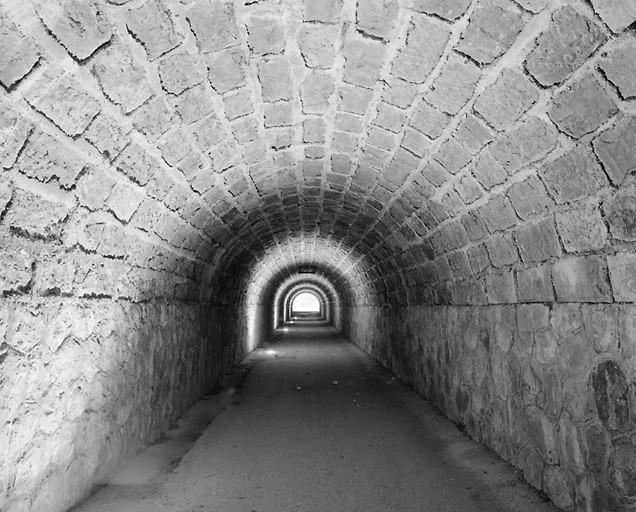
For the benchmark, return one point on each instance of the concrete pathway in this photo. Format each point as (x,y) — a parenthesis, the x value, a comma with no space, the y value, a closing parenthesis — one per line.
(319,426)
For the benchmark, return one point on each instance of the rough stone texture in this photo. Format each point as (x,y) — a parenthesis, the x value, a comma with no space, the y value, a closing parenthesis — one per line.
(568,42)
(617,14)
(582,107)
(458,208)
(493,27)
(615,149)
(82,27)
(17,63)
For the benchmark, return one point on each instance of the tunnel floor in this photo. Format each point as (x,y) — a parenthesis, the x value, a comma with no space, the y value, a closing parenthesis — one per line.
(319,426)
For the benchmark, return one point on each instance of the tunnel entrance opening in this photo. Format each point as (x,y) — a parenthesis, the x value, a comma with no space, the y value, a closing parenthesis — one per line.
(306,306)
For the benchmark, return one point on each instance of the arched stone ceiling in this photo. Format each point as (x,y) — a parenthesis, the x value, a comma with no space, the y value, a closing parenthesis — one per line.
(207,133)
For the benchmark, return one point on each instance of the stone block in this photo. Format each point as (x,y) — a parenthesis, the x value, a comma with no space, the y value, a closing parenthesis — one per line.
(538,242)
(475,227)
(55,276)
(34,217)
(582,107)
(153,119)
(622,269)
(502,250)
(107,135)
(238,104)
(615,148)
(458,263)
(175,146)
(314,131)
(81,27)
(377,17)
(468,189)
(500,287)
(498,214)
(151,24)
(16,272)
(122,81)
(315,91)
(573,176)
(524,145)
(425,43)
(581,279)
(619,67)
(93,189)
(136,163)
(57,96)
(317,45)
(194,103)
(266,34)
(124,200)
(452,156)
(22,58)
(390,118)
(620,211)
(567,43)
(493,27)
(416,143)
(529,197)
(532,317)
(214,26)
(278,114)
(601,326)
(616,13)
(505,101)
(473,134)
(180,71)
(582,229)
(227,70)
(46,160)
(478,258)
(428,120)
(275,76)
(455,85)
(354,99)
(363,60)
(245,129)
(14,132)
(324,11)
(399,93)
(534,284)
(488,171)
(448,9)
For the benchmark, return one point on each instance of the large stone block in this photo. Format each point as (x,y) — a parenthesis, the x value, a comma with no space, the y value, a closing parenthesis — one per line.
(390,118)
(16,272)
(14,132)
(529,197)
(325,11)
(488,171)
(567,43)
(180,71)
(93,189)
(124,200)
(528,143)
(136,163)
(582,107)
(601,326)
(363,60)
(121,79)
(266,34)
(573,176)
(500,288)
(238,104)
(153,119)
(581,279)
(618,14)
(622,269)
(468,189)
(214,25)
(275,76)
(538,242)
(107,135)
(498,214)
(615,148)
(56,94)
(505,101)
(22,58)
(377,17)
(452,156)
(534,284)
(502,250)
(619,67)
(317,45)
(194,103)
(315,91)
(473,134)
(46,160)
(81,27)
(620,210)
(455,85)
(227,70)
(354,99)
(582,229)
(34,217)
(152,25)
(428,120)
(447,9)
(493,27)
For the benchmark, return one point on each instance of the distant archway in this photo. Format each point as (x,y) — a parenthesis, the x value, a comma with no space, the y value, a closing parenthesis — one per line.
(305,302)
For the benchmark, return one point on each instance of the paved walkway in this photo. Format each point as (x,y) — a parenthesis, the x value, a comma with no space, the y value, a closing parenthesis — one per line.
(318,426)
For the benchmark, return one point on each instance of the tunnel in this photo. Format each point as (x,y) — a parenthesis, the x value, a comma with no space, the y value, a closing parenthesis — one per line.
(453,180)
